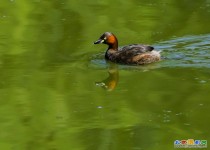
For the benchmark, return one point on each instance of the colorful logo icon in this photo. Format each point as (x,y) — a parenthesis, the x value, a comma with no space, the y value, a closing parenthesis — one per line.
(197,142)
(190,143)
(203,142)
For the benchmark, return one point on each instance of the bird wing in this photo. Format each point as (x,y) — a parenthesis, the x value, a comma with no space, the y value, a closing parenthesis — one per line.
(135,49)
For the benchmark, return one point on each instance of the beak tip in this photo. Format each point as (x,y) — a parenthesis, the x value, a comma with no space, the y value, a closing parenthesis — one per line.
(97,42)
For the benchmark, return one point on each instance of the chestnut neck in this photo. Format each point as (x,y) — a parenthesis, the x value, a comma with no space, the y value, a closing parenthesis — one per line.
(114,45)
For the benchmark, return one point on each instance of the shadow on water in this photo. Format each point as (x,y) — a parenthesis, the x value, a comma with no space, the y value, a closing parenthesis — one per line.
(111,81)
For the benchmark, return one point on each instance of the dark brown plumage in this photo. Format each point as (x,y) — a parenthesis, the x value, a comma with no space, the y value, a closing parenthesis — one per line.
(136,54)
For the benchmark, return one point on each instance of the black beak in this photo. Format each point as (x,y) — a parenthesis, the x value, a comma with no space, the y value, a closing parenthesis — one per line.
(98,41)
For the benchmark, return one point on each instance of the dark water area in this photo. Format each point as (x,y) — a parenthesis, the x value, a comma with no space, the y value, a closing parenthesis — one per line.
(57,92)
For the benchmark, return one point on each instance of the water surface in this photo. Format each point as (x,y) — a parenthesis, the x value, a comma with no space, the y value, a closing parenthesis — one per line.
(57,92)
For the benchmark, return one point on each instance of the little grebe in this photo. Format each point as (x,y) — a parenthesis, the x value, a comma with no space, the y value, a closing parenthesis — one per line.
(135,54)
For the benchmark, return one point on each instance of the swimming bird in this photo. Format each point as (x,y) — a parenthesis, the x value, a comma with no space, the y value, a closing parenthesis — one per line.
(133,54)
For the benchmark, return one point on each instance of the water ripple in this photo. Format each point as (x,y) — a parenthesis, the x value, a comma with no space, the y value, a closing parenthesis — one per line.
(187,51)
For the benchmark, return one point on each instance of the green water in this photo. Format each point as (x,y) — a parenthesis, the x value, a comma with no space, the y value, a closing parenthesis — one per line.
(58,93)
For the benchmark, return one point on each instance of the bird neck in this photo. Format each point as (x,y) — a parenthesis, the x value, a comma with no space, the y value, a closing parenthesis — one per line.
(114,45)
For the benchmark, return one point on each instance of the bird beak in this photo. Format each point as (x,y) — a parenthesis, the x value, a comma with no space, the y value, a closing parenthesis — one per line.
(99,41)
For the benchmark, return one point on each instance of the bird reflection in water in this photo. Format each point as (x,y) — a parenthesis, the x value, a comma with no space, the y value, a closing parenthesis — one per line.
(111,81)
